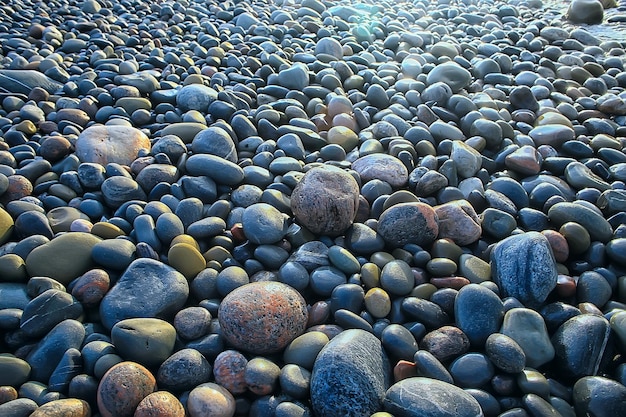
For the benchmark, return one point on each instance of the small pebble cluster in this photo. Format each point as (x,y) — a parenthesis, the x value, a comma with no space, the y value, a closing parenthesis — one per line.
(312,208)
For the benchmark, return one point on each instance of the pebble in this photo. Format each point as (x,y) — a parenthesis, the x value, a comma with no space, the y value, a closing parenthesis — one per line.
(183,370)
(406,223)
(419,396)
(528,329)
(70,407)
(382,167)
(585,11)
(210,399)
(479,313)
(162,403)
(123,388)
(350,375)
(263,224)
(147,341)
(239,317)
(111,144)
(326,200)
(458,221)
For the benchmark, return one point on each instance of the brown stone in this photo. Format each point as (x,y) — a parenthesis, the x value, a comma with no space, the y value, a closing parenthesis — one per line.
(122,388)
(558,243)
(459,222)
(68,407)
(107,144)
(403,370)
(160,404)
(19,186)
(229,371)
(326,200)
(383,167)
(262,317)
(212,400)
(91,287)
(409,223)
(445,343)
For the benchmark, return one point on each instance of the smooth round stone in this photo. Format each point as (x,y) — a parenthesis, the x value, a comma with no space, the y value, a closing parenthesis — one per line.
(326,200)
(377,302)
(215,141)
(329,46)
(220,170)
(528,329)
(406,223)
(148,341)
(183,370)
(195,97)
(122,388)
(185,131)
(61,218)
(13,268)
(425,311)
(48,352)
(295,77)
(467,159)
(154,174)
(47,310)
(441,267)
(579,344)
(554,135)
(478,312)
(472,370)
(192,322)
(20,407)
(261,376)
(396,278)
(343,137)
(350,375)
(598,395)
(63,258)
(399,342)
(450,73)
(303,350)
(13,371)
(161,403)
(263,224)
(524,267)
(325,279)
(262,317)
(117,190)
(616,250)
(473,268)
(111,144)
(505,353)
(295,381)
(585,11)
(147,288)
(186,259)
(382,167)
(343,259)
(595,224)
(593,288)
(116,254)
(419,396)
(429,366)
(69,407)
(458,221)
(578,239)
(229,371)
(445,343)
(6,226)
(210,399)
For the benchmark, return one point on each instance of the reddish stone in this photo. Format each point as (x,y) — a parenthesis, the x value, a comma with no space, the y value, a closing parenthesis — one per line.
(446,343)
(208,400)
(558,243)
(526,161)
(7,394)
(229,371)
(55,148)
(450,282)
(160,404)
(459,222)
(406,223)
(122,388)
(262,317)
(318,313)
(404,369)
(565,286)
(91,287)
(19,186)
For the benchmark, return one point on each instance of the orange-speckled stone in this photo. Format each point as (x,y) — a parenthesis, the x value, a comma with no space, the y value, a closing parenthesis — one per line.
(68,407)
(558,243)
(262,317)
(210,400)
(7,393)
(91,287)
(229,370)
(19,186)
(160,404)
(122,388)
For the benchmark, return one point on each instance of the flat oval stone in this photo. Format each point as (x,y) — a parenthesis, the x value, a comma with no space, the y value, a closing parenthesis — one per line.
(183,371)
(419,396)
(122,388)
(20,407)
(196,97)
(597,226)
(303,350)
(161,403)
(524,267)
(262,317)
(47,310)
(478,312)
(116,254)
(45,356)
(554,135)
(382,167)
(579,344)
(13,371)
(406,223)
(147,341)
(263,224)
(186,259)
(350,375)
(326,200)
(505,353)
(111,144)
(148,288)
(450,73)
(221,170)
(472,370)
(67,407)
(63,258)
(528,329)
(215,141)
(210,399)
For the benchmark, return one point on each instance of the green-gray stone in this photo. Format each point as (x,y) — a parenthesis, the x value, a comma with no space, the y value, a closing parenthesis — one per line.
(148,341)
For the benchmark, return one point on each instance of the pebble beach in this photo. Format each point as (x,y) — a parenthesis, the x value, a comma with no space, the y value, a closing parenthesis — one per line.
(310,208)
